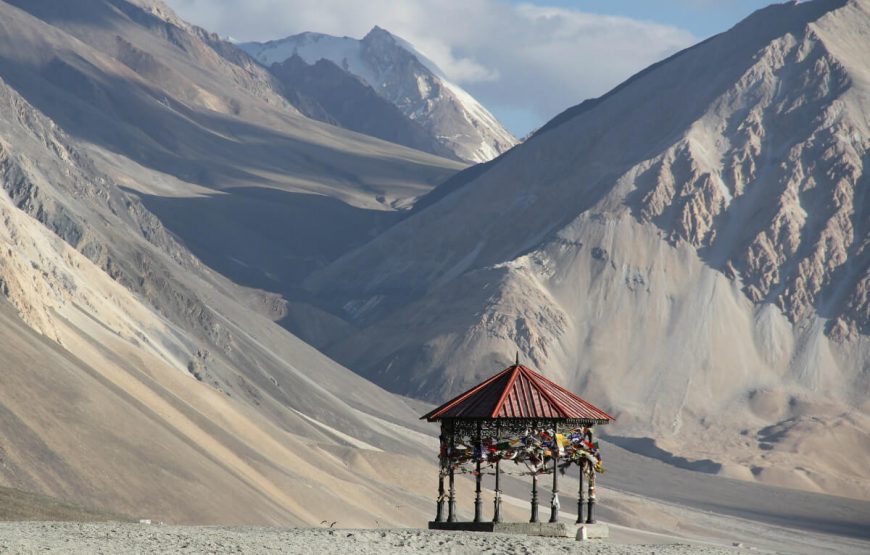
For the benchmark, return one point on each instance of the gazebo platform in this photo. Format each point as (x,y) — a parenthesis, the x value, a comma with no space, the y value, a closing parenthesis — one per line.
(547,529)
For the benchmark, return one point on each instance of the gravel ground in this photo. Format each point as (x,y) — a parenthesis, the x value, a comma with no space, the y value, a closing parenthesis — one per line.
(70,537)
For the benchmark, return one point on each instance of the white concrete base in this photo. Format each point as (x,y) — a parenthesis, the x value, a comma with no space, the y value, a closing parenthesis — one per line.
(595,531)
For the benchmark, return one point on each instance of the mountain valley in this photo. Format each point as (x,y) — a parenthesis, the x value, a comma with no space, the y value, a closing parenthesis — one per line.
(232,277)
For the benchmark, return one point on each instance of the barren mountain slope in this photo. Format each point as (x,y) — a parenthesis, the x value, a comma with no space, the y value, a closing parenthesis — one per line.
(175,99)
(18,505)
(690,250)
(133,377)
(403,76)
(202,133)
(163,395)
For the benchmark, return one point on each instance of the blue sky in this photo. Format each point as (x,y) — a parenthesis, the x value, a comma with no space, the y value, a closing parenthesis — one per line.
(526,61)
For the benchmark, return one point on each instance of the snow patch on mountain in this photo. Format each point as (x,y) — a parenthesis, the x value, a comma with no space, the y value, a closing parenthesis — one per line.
(405,77)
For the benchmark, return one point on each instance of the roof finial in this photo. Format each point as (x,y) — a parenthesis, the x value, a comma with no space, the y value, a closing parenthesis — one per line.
(517,363)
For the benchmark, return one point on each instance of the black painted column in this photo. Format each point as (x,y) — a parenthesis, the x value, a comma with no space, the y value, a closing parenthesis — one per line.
(451,499)
(439,508)
(496,513)
(439,504)
(554,500)
(580,492)
(534,498)
(478,500)
(589,519)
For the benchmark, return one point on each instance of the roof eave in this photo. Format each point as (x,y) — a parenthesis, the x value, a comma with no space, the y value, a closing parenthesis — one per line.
(583,420)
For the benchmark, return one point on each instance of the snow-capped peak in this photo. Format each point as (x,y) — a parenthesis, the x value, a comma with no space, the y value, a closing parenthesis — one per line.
(405,77)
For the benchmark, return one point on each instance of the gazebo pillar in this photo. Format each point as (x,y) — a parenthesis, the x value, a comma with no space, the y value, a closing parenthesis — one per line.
(580,496)
(478,500)
(534,517)
(496,512)
(589,519)
(439,504)
(554,500)
(496,509)
(439,507)
(451,499)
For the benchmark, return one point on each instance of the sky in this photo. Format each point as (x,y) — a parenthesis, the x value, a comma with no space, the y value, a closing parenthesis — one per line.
(526,61)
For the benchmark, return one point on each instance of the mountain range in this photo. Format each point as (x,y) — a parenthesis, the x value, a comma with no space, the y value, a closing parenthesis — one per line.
(232,278)
(691,249)
(134,376)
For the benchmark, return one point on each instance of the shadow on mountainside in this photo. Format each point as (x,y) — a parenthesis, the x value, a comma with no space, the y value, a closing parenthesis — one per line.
(266,238)
(647,476)
(91,12)
(138,119)
(647,447)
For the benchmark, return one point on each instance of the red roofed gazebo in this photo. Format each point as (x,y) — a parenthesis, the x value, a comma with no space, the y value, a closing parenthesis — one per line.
(516,415)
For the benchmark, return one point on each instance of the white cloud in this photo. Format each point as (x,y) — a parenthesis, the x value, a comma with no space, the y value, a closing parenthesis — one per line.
(515,58)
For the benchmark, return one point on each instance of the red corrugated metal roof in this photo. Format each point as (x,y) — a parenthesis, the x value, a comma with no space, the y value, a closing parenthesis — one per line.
(519,392)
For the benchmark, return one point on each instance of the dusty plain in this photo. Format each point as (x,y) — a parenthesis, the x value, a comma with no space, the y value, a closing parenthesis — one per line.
(55,537)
